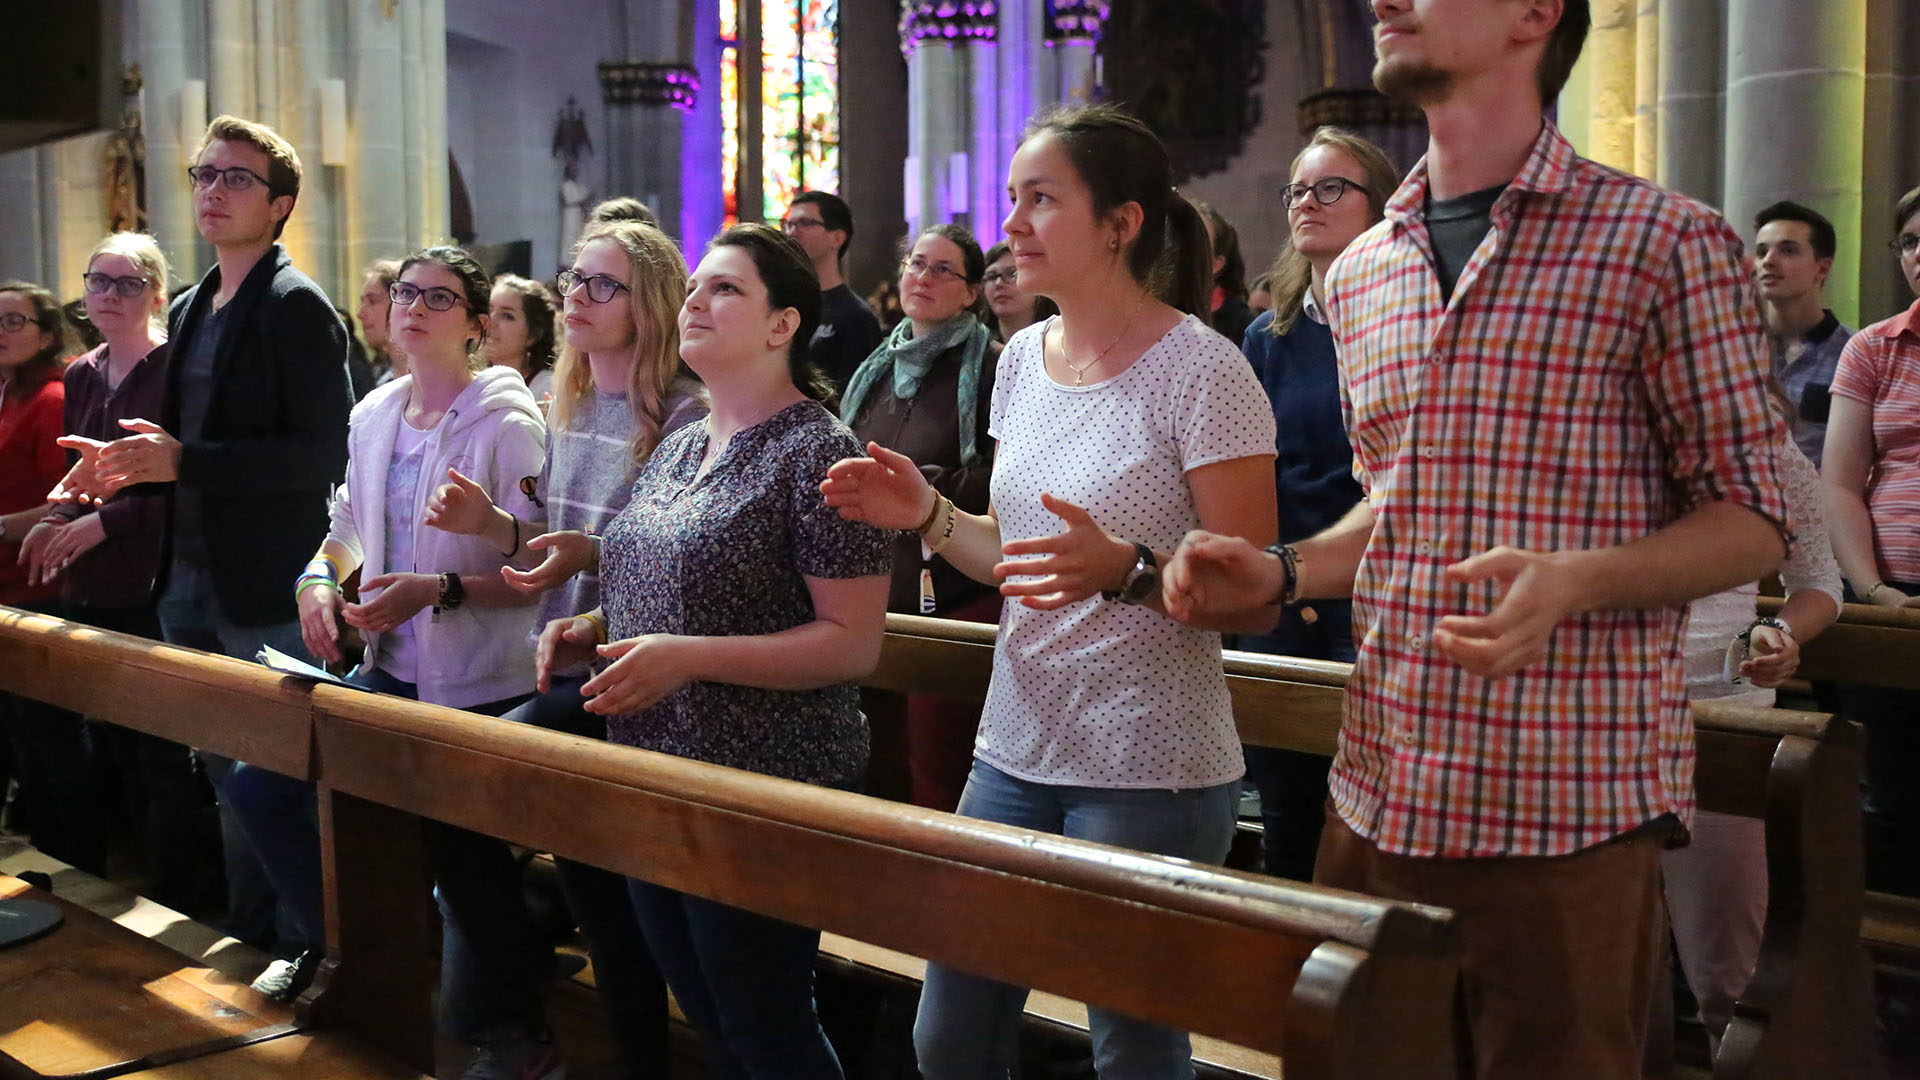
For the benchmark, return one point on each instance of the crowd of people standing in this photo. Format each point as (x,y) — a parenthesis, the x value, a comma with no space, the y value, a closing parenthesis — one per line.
(669,507)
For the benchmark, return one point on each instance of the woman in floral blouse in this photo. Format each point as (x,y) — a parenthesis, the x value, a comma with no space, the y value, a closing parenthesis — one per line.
(741,611)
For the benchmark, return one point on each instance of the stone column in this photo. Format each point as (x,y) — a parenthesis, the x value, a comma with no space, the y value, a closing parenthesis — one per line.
(1692,43)
(934,84)
(1891,151)
(230,60)
(646,92)
(375,197)
(162,52)
(1646,89)
(1610,86)
(1796,93)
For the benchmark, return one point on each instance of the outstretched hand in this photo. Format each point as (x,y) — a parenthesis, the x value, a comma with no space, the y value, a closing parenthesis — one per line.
(568,553)
(1536,592)
(564,643)
(460,506)
(1071,565)
(883,489)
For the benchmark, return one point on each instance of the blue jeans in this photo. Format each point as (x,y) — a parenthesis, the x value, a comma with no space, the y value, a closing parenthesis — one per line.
(190,615)
(490,960)
(744,981)
(968,1027)
(1293,783)
(632,993)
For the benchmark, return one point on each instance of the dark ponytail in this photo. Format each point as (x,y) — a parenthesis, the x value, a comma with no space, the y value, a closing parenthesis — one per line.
(1121,161)
(791,282)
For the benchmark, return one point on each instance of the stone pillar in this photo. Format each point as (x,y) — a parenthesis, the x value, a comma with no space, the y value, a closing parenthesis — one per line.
(1646,89)
(1891,153)
(1796,94)
(375,198)
(701,205)
(943,71)
(934,84)
(646,92)
(230,61)
(313,234)
(1692,43)
(1611,83)
(162,52)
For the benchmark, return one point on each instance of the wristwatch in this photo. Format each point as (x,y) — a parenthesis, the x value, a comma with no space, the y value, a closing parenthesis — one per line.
(1141,580)
(453,593)
(1768,620)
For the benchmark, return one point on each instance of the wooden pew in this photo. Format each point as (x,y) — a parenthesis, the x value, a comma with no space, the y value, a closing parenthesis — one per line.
(1873,646)
(1337,984)
(1805,1012)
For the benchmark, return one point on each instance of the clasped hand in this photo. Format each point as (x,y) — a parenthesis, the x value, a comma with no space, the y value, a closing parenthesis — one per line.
(50,547)
(1212,578)
(1773,658)
(1536,591)
(147,457)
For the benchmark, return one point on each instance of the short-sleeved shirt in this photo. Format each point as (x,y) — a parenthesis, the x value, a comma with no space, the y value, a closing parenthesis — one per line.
(1101,693)
(1807,373)
(1596,375)
(848,333)
(1880,367)
(728,554)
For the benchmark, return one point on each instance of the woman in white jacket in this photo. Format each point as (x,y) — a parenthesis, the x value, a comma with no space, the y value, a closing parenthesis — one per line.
(439,622)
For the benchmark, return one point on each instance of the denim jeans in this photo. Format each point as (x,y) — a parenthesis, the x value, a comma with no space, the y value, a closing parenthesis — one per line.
(190,615)
(1293,783)
(744,981)
(968,1027)
(632,993)
(490,962)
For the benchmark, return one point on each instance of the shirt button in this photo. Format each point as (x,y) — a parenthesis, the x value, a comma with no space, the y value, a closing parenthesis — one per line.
(1427,451)
(1423,548)
(1406,737)
(1416,641)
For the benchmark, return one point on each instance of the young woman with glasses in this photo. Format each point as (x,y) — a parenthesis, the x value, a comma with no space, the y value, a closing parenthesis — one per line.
(439,623)
(1013,308)
(105,558)
(1338,187)
(925,392)
(48,746)
(1123,422)
(620,389)
(1870,480)
(738,613)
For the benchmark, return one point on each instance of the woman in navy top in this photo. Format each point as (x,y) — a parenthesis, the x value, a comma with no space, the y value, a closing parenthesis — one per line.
(1340,187)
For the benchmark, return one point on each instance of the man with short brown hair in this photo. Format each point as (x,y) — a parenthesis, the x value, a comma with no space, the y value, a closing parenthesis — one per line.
(1552,379)
(253,438)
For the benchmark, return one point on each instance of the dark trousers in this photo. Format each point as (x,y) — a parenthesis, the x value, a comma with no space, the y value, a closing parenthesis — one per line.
(58,766)
(632,993)
(1293,784)
(1890,771)
(744,981)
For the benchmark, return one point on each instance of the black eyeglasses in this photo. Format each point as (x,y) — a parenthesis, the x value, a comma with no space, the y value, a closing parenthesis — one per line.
(600,288)
(997,277)
(236,177)
(13,322)
(100,284)
(437,297)
(940,272)
(795,224)
(1905,243)
(1325,192)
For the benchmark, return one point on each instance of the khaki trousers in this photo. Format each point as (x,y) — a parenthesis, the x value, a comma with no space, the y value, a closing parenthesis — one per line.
(1558,953)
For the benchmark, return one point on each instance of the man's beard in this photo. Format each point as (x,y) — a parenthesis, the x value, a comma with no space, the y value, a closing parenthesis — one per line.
(1418,84)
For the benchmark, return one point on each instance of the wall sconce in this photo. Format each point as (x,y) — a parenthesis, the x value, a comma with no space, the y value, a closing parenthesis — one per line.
(333,121)
(193,116)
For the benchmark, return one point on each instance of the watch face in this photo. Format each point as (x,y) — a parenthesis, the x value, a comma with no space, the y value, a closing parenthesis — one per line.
(1142,582)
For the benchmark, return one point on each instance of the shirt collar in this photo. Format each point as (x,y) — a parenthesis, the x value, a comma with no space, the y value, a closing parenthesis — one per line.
(1312,308)
(1548,170)
(1905,323)
(1823,329)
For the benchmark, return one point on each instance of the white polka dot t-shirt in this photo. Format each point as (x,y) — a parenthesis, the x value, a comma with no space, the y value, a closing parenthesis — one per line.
(1101,693)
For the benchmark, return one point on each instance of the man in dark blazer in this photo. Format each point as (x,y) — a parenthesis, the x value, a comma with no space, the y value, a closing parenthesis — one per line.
(253,437)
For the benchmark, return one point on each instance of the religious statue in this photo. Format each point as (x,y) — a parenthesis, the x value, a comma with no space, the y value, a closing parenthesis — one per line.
(571,143)
(126,162)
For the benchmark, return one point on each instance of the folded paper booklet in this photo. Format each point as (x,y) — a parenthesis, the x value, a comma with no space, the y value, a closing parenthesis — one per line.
(300,669)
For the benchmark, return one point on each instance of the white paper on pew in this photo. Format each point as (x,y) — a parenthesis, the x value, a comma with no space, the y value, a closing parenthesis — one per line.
(300,669)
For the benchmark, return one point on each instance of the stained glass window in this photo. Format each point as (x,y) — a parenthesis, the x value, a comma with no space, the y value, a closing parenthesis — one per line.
(799,102)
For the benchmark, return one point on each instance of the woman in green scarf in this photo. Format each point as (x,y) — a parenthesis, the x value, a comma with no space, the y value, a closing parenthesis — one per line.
(924,392)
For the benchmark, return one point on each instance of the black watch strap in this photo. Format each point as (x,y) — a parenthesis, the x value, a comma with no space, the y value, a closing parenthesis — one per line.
(1140,579)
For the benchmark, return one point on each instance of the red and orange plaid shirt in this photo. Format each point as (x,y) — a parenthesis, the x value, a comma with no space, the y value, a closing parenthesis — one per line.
(1596,375)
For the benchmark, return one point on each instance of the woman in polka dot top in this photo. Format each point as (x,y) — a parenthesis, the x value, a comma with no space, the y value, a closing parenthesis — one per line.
(1122,423)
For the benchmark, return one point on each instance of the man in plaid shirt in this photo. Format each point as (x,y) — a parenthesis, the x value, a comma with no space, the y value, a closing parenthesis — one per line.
(1552,375)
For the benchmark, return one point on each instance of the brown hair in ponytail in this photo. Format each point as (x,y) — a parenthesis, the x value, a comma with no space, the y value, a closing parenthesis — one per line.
(1121,162)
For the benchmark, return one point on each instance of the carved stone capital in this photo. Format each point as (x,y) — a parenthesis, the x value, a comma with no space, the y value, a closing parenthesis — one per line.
(950,21)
